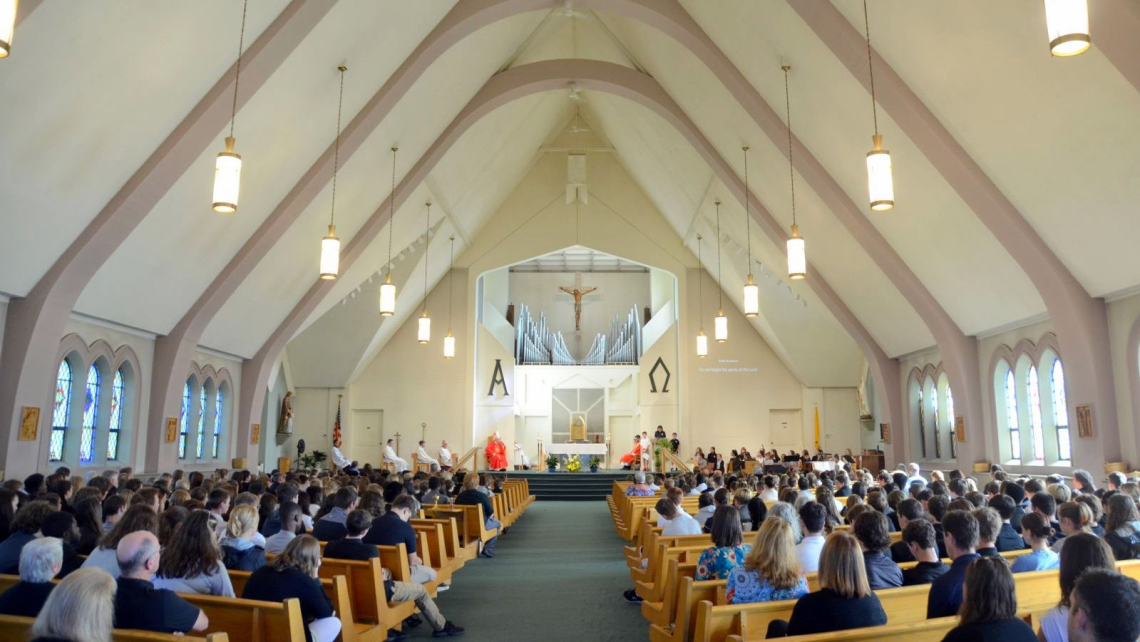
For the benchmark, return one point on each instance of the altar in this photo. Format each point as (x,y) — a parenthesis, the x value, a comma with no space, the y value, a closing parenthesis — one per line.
(580,449)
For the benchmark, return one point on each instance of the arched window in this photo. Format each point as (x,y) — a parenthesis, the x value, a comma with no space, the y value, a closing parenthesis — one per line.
(1011,415)
(1035,432)
(90,414)
(61,410)
(937,435)
(116,423)
(201,422)
(950,422)
(184,420)
(1061,412)
(217,423)
(921,423)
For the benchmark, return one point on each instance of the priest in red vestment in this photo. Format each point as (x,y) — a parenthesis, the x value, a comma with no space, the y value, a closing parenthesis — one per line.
(633,455)
(496,453)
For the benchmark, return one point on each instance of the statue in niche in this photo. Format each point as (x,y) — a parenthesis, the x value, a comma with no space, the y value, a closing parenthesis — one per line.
(285,424)
(578,292)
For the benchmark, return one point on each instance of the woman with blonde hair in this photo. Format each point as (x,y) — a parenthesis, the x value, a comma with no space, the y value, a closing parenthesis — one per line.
(771,570)
(80,609)
(293,573)
(844,599)
(1073,518)
(238,549)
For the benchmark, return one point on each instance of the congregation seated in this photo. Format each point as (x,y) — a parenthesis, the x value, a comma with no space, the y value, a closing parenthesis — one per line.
(293,574)
(676,521)
(961,532)
(989,606)
(1084,553)
(907,510)
(192,560)
(61,525)
(1122,530)
(1073,517)
(353,547)
(25,525)
(392,529)
(40,561)
(239,552)
(89,518)
(813,516)
(871,529)
(332,525)
(1035,532)
(728,549)
(919,537)
(770,571)
(1105,605)
(289,517)
(757,511)
(138,603)
(989,525)
(139,517)
(639,488)
(471,496)
(81,608)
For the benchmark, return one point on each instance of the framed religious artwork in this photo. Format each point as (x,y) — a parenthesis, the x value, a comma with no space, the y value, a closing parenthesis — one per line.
(886,432)
(960,429)
(171,429)
(255,434)
(1084,422)
(29,423)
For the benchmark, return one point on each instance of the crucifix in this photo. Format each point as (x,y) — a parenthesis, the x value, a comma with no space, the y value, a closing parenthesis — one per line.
(397,435)
(578,292)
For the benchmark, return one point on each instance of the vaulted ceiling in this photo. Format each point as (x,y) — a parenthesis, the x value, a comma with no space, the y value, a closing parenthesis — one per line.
(92,90)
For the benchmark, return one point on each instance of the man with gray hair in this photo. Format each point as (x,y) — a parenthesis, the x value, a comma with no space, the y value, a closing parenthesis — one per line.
(914,475)
(40,561)
(138,604)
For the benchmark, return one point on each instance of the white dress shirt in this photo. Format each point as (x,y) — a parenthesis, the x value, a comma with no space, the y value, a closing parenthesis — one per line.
(808,550)
(444,457)
(645,449)
(682,524)
(339,460)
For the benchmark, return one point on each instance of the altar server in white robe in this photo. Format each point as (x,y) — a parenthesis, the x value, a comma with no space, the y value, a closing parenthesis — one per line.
(423,457)
(520,457)
(646,452)
(444,456)
(390,456)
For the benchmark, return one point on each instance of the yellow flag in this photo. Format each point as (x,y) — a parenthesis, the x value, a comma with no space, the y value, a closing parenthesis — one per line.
(817,428)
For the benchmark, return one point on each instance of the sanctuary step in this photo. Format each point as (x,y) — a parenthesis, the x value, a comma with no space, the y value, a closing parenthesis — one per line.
(569,487)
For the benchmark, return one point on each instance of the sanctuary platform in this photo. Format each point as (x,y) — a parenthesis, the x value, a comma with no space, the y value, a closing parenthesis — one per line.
(562,486)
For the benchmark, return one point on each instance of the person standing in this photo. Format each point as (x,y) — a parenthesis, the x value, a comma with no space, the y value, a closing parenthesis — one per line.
(646,451)
(659,433)
(675,444)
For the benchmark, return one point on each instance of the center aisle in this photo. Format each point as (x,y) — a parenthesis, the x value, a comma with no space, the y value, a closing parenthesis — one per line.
(558,575)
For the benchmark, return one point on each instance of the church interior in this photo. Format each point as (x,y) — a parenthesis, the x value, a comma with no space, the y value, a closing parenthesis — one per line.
(238,234)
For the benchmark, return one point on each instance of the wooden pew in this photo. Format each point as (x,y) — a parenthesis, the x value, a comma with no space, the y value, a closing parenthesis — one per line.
(653,588)
(373,615)
(468,547)
(925,631)
(15,627)
(456,552)
(433,550)
(337,590)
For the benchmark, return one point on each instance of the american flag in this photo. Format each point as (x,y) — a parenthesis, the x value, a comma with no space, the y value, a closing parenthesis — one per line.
(336,424)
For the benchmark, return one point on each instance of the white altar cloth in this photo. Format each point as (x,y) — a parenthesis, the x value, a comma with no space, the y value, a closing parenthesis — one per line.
(576,449)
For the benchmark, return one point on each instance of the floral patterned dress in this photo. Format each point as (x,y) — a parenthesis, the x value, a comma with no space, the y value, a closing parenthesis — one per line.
(745,586)
(715,563)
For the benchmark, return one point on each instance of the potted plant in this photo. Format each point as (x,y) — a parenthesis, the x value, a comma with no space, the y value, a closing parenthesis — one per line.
(594,462)
(573,464)
(551,462)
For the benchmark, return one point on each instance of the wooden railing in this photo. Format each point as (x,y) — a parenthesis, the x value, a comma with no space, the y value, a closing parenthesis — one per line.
(473,455)
(671,458)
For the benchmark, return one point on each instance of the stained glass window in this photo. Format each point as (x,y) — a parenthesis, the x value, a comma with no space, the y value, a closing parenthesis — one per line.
(61,410)
(950,422)
(217,423)
(937,432)
(90,415)
(1061,412)
(184,420)
(1035,415)
(116,423)
(921,424)
(1011,415)
(201,422)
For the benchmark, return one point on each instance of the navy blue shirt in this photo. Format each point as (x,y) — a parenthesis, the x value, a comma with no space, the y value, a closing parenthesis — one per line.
(390,530)
(139,605)
(25,598)
(881,571)
(351,549)
(1009,540)
(10,551)
(946,591)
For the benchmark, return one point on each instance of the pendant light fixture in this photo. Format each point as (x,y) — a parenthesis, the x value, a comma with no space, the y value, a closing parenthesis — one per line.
(1068,25)
(449,340)
(751,290)
(227,169)
(720,323)
(797,253)
(702,340)
(7,25)
(423,333)
(330,245)
(387,289)
(880,182)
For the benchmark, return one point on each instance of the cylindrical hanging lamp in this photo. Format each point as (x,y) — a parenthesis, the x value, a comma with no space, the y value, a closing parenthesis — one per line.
(720,322)
(449,340)
(1068,25)
(797,255)
(7,25)
(330,245)
(751,290)
(227,168)
(702,344)
(388,289)
(423,334)
(880,182)
(702,340)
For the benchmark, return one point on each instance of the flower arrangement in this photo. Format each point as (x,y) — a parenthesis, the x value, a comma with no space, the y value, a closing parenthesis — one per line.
(573,465)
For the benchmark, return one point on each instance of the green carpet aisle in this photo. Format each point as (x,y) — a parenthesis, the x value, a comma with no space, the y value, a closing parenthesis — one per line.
(558,575)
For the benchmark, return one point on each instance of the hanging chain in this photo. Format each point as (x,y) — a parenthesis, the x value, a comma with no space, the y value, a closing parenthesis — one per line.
(720,287)
(237,72)
(392,211)
(427,246)
(700,284)
(791,167)
(747,215)
(871,67)
(336,152)
(450,280)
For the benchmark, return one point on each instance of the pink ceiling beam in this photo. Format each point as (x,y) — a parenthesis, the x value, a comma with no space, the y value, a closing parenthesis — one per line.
(501,89)
(35,323)
(1114,26)
(1080,321)
(174,351)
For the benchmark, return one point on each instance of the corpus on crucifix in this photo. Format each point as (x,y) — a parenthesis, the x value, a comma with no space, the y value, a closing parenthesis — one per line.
(577,292)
